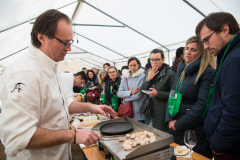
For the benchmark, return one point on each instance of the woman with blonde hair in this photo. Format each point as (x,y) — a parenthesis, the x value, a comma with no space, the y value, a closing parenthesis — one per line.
(194,77)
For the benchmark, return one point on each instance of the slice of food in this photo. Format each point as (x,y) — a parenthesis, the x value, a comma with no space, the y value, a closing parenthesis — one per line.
(128,136)
(121,139)
(127,147)
(133,136)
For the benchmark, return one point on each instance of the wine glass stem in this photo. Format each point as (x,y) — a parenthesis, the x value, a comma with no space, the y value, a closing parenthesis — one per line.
(190,153)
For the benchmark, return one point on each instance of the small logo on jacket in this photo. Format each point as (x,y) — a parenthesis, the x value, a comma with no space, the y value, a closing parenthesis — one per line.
(18,87)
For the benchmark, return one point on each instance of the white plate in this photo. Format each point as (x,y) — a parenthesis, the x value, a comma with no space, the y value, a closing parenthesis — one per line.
(184,149)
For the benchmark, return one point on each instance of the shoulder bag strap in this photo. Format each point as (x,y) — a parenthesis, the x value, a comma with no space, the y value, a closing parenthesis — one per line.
(127,84)
(180,84)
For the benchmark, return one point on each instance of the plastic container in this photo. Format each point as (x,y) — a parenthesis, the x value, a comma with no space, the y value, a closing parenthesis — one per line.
(76,123)
(102,118)
(88,124)
(90,118)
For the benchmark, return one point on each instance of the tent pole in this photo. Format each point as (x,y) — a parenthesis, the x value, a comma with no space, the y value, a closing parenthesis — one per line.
(96,25)
(13,53)
(76,11)
(194,8)
(100,44)
(90,62)
(92,53)
(126,25)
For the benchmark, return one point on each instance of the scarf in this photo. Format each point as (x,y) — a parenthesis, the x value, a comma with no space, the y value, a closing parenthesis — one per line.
(91,81)
(114,86)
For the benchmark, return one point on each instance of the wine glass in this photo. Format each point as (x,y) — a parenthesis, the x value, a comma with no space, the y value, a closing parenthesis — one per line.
(172,94)
(190,140)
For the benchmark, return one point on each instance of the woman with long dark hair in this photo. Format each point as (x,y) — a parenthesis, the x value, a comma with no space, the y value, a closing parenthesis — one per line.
(91,85)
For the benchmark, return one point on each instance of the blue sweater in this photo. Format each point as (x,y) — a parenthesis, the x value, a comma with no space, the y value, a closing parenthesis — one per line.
(222,123)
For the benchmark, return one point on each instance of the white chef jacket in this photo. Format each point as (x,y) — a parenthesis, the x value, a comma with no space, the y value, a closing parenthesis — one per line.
(32,96)
(68,80)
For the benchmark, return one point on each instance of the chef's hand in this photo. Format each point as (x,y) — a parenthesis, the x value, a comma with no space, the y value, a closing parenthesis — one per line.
(152,72)
(135,90)
(153,93)
(171,124)
(86,137)
(103,109)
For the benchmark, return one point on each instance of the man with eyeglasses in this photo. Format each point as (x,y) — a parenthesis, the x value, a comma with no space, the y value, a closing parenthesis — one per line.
(159,80)
(34,120)
(219,33)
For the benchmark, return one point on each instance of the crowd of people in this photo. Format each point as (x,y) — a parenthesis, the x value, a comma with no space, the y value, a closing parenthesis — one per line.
(209,87)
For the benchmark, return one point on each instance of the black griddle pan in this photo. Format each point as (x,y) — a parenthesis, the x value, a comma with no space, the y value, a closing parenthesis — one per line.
(116,128)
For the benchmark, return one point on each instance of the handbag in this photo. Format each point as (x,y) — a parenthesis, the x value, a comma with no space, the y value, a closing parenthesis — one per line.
(147,104)
(126,110)
(174,102)
(92,95)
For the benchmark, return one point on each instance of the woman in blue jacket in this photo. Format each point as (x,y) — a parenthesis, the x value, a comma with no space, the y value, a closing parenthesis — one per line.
(196,72)
(134,78)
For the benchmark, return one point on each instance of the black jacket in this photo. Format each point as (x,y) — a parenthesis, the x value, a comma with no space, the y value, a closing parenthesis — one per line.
(222,123)
(107,92)
(162,84)
(190,115)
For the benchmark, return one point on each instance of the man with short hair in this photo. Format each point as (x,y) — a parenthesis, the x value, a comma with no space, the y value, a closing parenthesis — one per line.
(70,80)
(106,66)
(34,120)
(178,59)
(219,33)
(84,69)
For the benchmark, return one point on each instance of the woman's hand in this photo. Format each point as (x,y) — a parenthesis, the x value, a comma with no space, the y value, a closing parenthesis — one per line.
(152,72)
(93,88)
(171,124)
(135,90)
(153,93)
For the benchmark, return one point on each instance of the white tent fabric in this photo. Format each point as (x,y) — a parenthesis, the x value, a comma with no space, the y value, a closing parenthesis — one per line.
(131,28)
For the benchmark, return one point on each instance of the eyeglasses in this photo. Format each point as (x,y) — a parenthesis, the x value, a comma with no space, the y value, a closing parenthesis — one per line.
(205,40)
(66,45)
(156,60)
(112,72)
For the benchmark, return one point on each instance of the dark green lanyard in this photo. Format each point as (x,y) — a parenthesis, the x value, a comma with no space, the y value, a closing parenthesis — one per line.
(212,86)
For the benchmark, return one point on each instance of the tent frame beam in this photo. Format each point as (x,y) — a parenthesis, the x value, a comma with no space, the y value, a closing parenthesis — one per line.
(125,25)
(90,63)
(92,53)
(195,8)
(34,18)
(76,52)
(13,53)
(97,25)
(99,44)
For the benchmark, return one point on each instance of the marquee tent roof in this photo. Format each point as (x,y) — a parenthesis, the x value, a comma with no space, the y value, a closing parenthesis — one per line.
(109,30)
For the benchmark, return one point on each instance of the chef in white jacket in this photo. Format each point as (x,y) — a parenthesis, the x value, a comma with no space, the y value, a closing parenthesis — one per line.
(34,120)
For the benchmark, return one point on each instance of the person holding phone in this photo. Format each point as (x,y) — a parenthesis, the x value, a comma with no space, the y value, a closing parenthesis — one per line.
(159,79)
(196,73)
(132,79)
